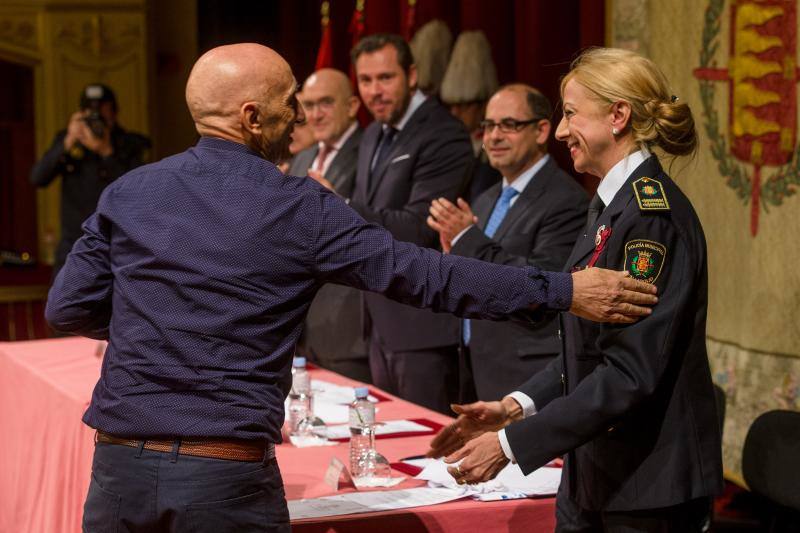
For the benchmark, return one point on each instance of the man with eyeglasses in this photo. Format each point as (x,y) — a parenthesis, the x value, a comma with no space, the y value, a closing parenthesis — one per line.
(331,108)
(531,218)
(333,335)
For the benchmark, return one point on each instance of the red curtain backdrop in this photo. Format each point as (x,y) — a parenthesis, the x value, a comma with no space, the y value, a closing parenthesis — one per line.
(533,41)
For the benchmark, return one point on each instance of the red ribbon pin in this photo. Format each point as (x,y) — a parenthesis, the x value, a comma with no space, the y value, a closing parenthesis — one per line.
(600,239)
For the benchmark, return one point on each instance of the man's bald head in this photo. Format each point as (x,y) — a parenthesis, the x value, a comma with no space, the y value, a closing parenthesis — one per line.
(329,104)
(334,80)
(244,93)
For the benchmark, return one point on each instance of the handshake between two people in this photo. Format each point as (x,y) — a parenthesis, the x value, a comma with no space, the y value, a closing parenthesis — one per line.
(598,294)
(473,440)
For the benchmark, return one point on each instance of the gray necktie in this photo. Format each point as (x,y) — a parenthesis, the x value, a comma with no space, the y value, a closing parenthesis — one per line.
(596,207)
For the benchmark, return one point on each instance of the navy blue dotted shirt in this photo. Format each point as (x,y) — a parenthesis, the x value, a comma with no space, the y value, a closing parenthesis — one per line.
(199,270)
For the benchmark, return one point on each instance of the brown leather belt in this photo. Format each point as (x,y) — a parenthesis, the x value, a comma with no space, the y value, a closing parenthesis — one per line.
(231,449)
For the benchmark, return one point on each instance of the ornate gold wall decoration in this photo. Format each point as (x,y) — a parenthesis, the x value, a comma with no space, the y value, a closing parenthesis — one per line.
(68,44)
(101,36)
(19,31)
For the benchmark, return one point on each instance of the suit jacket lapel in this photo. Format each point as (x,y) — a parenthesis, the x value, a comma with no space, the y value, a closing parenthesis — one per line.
(303,161)
(535,188)
(586,243)
(365,152)
(343,159)
(400,143)
(485,211)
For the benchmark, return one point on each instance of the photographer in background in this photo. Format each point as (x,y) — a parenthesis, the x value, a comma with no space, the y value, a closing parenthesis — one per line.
(91,153)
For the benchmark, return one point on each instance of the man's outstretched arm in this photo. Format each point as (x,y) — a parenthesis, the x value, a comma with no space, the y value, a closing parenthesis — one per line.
(349,251)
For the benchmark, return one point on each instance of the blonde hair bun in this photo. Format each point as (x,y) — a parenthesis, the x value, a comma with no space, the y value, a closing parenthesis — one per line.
(657,117)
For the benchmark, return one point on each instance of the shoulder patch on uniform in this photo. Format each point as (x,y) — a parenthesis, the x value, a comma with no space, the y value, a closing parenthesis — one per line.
(650,195)
(644,259)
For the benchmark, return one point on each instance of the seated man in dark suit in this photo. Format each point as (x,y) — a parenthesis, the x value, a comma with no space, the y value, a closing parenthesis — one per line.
(532,218)
(413,152)
(333,331)
(331,108)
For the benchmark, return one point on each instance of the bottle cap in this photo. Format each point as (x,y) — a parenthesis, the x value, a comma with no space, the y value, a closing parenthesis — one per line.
(299,362)
(361,392)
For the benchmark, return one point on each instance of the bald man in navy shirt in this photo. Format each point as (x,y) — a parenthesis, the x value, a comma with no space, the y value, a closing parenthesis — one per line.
(199,270)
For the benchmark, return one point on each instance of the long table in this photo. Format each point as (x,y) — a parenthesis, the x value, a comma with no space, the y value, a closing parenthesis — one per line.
(46,456)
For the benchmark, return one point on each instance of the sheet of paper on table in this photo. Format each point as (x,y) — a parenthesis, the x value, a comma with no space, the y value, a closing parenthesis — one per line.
(510,483)
(342,431)
(331,401)
(327,392)
(310,441)
(331,413)
(369,502)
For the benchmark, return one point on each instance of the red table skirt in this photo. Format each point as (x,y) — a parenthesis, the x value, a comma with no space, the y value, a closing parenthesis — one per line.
(45,463)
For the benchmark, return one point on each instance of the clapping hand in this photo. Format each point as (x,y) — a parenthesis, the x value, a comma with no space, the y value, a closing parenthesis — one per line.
(450,219)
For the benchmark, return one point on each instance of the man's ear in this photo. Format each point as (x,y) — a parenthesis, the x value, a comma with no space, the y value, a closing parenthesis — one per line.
(412,77)
(251,117)
(353,103)
(543,128)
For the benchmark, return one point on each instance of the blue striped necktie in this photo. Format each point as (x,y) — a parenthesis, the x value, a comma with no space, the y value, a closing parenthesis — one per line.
(495,219)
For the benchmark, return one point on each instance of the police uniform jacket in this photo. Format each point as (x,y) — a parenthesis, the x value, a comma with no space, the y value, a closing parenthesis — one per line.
(632,406)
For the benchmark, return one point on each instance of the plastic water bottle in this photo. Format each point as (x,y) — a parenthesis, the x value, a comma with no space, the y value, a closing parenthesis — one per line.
(362,421)
(300,401)
(301,381)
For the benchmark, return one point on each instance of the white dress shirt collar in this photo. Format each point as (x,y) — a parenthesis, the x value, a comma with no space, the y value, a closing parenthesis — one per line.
(522,181)
(416,100)
(334,150)
(343,139)
(526,177)
(619,173)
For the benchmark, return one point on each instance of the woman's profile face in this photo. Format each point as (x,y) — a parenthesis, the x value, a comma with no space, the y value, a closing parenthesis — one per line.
(586,128)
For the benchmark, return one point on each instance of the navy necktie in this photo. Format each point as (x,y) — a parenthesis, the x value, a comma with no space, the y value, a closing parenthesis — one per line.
(384,147)
(495,219)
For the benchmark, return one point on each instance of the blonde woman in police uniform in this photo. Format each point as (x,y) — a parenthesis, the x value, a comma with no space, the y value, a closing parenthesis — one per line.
(630,407)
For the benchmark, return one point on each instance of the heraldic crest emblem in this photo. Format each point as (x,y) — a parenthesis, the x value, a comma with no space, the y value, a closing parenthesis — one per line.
(762,77)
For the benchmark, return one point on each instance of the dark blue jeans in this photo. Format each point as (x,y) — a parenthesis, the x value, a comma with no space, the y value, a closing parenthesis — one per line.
(134,489)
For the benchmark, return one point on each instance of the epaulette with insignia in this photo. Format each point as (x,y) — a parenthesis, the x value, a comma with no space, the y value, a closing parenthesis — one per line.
(650,195)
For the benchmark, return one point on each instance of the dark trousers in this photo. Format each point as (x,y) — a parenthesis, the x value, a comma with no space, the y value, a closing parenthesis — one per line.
(357,369)
(426,377)
(137,490)
(688,517)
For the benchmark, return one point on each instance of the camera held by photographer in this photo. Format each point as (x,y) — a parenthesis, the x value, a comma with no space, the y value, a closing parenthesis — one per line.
(90,153)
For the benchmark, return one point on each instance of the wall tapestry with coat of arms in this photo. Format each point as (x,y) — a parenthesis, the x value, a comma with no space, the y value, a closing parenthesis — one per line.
(736,63)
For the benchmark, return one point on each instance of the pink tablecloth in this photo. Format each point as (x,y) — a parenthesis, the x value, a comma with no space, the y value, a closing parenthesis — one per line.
(45,462)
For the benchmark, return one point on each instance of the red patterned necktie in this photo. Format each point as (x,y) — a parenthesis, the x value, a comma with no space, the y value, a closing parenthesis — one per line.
(323,156)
